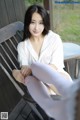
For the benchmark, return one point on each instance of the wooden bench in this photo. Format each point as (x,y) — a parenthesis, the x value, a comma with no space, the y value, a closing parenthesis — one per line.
(72,53)
(14,97)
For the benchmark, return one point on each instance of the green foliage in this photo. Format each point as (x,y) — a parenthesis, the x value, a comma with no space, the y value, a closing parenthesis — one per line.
(67,22)
(34,1)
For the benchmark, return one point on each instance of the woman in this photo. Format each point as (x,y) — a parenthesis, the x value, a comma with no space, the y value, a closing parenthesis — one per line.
(40,55)
(42,44)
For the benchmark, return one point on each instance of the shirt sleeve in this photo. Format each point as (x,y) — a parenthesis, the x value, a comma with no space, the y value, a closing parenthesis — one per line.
(22,56)
(57,57)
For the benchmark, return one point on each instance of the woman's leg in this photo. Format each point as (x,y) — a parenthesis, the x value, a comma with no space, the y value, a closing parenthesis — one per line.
(62,109)
(53,108)
(48,75)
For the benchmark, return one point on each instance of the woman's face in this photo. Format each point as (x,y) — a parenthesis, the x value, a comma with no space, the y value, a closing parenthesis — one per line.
(36,26)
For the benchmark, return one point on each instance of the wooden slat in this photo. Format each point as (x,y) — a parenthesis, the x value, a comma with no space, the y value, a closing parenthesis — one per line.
(10,30)
(12,80)
(7,102)
(8,58)
(5,64)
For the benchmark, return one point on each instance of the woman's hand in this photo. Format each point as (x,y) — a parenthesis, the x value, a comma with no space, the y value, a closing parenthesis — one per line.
(26,70)
(18,75)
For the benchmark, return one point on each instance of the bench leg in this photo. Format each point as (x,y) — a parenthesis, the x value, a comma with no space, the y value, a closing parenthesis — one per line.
(67,68)
(76,74)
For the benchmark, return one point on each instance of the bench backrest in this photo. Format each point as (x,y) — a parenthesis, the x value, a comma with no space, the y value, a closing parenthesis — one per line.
(14,97)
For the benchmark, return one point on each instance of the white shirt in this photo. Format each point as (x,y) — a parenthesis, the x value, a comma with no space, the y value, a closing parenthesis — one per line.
(51,51)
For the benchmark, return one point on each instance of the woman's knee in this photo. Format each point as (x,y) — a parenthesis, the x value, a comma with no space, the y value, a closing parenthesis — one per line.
(30,79)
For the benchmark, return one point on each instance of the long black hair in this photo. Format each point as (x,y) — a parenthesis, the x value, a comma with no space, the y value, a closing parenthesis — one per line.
(28,16)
